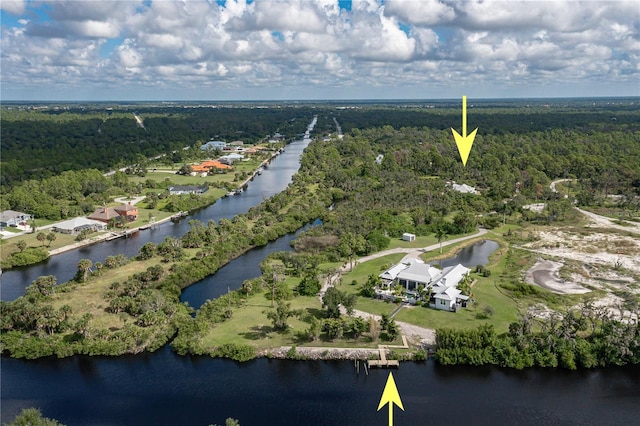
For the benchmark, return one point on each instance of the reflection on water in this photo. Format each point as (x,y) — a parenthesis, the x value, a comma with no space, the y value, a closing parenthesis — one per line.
(163,388)
(471,256)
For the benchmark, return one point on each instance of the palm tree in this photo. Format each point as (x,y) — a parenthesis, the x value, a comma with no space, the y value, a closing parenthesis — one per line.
(84,267)
(51,237)
(441,235)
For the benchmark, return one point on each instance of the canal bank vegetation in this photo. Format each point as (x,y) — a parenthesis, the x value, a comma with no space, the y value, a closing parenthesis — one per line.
(131,305)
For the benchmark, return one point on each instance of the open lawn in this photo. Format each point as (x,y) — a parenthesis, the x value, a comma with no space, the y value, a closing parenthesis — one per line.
(362,271)
(90,298)
(231,179)
(10,246)
(485,292)
(250,325)
(423,241)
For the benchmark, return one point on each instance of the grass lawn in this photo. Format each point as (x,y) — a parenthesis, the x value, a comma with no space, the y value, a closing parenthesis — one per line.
(485,293)
(228,178)
(250,325)
(89,297)
(11,245)
(362,271)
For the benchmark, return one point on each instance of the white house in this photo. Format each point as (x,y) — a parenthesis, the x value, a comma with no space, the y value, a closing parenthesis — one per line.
(13,218)
(410,274)
(79,224)
(408,237)
(230,158)
(444,293)
(463,188)
(214,145)
(188,189)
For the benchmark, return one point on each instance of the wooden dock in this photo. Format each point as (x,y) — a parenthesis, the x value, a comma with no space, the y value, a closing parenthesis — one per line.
(383,362)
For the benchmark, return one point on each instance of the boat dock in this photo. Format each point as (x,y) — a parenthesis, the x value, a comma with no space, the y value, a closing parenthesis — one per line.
(383,362)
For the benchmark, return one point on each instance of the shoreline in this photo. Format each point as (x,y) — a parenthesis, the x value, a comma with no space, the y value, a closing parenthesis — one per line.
(114,235)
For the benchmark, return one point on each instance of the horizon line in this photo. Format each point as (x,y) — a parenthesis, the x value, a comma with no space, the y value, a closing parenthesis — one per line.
(315,99)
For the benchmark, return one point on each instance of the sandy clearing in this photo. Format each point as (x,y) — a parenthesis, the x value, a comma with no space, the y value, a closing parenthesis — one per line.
(605,222)
(545,274)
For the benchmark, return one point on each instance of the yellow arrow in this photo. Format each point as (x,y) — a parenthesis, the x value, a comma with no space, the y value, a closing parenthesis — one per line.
(390,396)
(463,141)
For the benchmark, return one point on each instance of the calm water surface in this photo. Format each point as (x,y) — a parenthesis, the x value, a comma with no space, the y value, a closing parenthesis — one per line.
(165,389)
(472,256)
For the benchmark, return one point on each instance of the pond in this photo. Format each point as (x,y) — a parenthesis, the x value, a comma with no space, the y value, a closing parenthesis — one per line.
(471,256)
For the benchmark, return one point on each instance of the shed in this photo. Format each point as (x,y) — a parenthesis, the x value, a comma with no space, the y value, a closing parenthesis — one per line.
(408,237)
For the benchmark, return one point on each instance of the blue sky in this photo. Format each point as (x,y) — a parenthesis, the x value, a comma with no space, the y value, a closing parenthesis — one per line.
(320,49)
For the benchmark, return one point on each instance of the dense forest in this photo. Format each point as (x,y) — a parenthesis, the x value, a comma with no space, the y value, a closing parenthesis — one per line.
(45,142)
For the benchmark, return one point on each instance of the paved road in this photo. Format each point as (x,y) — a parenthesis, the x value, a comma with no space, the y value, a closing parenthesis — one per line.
(416,252)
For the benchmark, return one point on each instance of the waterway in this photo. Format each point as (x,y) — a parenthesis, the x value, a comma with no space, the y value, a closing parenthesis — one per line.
(63,266)
(162,388)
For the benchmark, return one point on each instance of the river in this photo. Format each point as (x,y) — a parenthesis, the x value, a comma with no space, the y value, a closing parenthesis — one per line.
(162,388)
(274,179)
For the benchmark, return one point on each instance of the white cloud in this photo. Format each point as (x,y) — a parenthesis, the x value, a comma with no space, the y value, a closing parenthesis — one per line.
(269,44)
(15,7)
(423,12)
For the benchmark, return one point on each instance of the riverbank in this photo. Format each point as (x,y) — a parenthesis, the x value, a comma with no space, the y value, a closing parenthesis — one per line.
(143,311)
(111,235)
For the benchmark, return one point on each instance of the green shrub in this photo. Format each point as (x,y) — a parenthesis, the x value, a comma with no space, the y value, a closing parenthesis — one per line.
(235,351)
(27,257)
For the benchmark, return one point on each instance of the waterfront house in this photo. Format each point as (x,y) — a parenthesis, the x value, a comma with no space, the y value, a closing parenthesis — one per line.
(444,292)
(79,224)
(123,214)
(210,166)
(188,189)
(104,214)
(128,212)
(442,285)
(410,274)
(13,218)
(230,158)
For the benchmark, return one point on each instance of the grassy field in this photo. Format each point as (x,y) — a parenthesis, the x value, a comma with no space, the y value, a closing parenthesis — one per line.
(229,179)
(250,325)
(89,297)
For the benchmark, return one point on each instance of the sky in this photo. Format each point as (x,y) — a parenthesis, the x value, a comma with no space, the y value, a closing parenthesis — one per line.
(154,50)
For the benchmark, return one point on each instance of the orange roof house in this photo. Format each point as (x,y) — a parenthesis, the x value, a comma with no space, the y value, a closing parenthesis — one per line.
(124,213)
(128,211)
(104,214)
(206,166)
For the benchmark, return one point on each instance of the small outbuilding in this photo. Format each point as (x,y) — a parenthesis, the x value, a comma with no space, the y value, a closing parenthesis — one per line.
(408,237)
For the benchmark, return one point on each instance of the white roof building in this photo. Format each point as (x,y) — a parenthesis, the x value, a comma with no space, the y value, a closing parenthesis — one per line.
(79,224)
(463,188)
